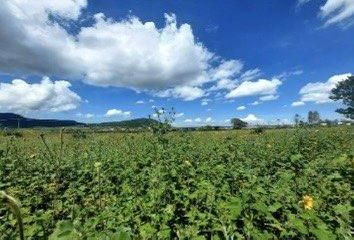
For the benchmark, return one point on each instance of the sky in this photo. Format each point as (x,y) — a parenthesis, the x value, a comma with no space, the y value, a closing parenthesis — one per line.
(96,61)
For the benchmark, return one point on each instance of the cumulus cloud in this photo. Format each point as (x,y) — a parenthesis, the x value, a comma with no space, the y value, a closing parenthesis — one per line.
(178,115)
(205,102)
(340,12)
(117,112)
(227,69)
(297,104)
(167,61)
(54,96)
(139,102)
(252,119)
(224,83)
(269,97)
(208,120)
(240,108)
(255,103)
(257,88)
(197,120)
(230,83)
(187,93)
(319,92)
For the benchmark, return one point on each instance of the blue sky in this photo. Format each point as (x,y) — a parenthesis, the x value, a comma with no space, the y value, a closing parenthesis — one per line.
(96,61)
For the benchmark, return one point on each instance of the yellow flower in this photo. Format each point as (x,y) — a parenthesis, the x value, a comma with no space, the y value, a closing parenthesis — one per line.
(98,165)
(188,163)
(307,202)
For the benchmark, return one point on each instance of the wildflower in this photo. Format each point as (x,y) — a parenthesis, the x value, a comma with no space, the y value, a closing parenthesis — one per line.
(188,163)
(307,202)
(98,165)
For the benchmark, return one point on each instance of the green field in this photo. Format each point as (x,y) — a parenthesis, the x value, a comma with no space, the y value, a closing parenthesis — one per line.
(287,184)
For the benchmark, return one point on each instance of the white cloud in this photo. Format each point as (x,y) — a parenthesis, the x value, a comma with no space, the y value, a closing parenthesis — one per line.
(117,112)
(205,101)
(127,53)
(187,93)
(151,100)
(302,2)
(188,120)
(224,83)
(260,87)
(231,83)
(285,75)
(20,96)
(255,103)
(240,108)
(227,69)
(297,104)
(178,115)
(140,102)
(250,74)
(252,119)
(269,97)
(340,12)
(209,120)
(197,120)
(319,92)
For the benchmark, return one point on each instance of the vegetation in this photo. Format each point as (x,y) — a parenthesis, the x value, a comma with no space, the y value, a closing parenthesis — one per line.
(134,123)
(313,117)
(238,123)
(283,183)
(344,91)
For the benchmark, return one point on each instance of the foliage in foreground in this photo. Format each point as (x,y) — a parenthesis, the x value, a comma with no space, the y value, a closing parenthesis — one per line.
(202,185)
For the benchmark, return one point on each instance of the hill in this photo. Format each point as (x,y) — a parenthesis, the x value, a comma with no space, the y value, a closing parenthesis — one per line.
(12,120)
(133,123)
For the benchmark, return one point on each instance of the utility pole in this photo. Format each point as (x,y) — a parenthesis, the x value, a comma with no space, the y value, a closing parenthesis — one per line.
(18,122)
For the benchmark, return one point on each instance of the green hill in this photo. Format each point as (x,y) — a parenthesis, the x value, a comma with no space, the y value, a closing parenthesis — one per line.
(133,123)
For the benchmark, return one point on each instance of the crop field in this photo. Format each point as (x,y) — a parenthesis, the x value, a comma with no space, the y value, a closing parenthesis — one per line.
(279,184)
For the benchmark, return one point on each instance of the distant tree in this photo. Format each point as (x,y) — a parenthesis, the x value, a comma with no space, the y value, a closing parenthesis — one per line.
(297,119)
(344,91)
(238,123)
(313,117)
(310,117)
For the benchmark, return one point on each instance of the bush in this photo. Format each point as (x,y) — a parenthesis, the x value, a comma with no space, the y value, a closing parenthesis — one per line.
(258,130)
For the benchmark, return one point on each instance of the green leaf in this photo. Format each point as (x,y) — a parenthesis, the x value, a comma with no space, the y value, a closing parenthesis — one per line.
(121,235)
(64,231)
(322,233)
(235,207)
(299,225)
(275,207)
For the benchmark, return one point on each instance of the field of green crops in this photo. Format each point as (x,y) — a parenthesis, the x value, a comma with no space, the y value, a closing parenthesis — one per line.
(280,184)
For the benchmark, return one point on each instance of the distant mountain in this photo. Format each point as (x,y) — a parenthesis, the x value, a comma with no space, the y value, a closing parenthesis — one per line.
(12,120)
(133,123)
